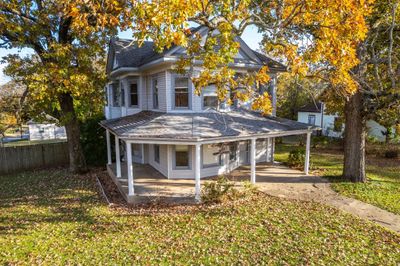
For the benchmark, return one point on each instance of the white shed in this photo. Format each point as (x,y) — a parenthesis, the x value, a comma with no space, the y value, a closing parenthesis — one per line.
(46,130)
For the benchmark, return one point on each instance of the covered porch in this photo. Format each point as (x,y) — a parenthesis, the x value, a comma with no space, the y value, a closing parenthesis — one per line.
(152,185)
(165,133)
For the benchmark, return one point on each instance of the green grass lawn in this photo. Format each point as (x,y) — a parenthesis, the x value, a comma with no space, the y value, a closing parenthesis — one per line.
(50,217)
(382,188)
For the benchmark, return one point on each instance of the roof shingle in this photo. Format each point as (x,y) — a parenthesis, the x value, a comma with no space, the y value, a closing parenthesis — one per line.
(196,126)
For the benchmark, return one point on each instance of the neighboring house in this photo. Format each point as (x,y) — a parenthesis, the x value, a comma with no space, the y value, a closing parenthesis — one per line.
(158,120)
(314,114)
(46,130)
(332,125)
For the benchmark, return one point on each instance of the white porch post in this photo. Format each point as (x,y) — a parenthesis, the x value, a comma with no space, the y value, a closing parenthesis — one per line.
(117,156)
(268,150)
(131,190)
(197,171)
(253,161)
(307,159)
(109,162)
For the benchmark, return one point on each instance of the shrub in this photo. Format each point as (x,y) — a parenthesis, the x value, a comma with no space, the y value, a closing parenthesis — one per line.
(297,158)
(320,141)
(93,141)
(218,191)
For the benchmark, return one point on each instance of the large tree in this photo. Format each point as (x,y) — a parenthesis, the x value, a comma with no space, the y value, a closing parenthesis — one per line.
(62,76)
(378,80)
(310,36)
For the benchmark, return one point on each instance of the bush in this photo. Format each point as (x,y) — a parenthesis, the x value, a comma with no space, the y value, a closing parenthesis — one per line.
(297,158)
(93,142)
(218,191)
(320,141)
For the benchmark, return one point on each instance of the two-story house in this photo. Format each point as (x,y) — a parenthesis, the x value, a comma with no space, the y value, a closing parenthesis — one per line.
(158,120)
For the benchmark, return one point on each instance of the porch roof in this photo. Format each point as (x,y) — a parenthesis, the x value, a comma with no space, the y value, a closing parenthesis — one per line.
(234,124)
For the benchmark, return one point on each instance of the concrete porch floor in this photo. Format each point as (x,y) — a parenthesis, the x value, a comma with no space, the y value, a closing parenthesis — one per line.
(149,184)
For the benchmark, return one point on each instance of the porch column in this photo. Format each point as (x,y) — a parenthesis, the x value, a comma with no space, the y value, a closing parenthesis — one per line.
(307,159)
(197,172)
(268,150)
(253,161)
(117,157)
(109,161)
(131,190)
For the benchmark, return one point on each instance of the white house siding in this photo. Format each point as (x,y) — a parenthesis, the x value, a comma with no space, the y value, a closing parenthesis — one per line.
(303,117)
(167,168)
(46,132)
(329,125)
(168,90)
(162,91)
(328,122)
(162,166)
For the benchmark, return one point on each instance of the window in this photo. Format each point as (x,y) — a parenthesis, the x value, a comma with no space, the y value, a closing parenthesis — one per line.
(182,156)
(134,97)
(181,92)
(337,124)
(122,94)
(137,150)
(211,155)
(210,98)
(115,94)
(311,119)
(157,153)
(107,96)
(155,94)
(232,151)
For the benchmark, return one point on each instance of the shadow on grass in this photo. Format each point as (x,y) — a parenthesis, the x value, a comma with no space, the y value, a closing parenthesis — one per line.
(53,196)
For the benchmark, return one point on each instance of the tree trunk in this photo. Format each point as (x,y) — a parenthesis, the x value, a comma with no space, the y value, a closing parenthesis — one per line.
(77,162)
(354,140)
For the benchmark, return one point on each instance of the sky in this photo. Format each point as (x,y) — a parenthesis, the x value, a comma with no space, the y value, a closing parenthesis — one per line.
(250,36)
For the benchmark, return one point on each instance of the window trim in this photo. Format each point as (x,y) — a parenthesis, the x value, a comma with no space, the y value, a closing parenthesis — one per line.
(308,119)
(235,144)
(114,89)
(137,93)
(122,94)
(203,107)
(205,166)
(175,167)
(189,88)
(154,95)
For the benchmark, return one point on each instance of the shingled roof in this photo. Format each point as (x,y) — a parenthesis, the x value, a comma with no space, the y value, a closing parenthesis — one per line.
(311,107)
(128,54)
(200,126)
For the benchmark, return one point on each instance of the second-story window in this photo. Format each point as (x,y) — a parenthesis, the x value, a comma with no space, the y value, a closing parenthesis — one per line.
(134,96)
(181,93)
(122,94)
(210,98)
(115,95)
(155,94)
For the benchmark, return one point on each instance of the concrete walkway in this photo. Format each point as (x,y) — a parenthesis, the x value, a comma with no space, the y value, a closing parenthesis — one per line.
(283,182)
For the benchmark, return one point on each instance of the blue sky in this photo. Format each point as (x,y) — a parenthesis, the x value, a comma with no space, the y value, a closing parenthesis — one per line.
(250,36)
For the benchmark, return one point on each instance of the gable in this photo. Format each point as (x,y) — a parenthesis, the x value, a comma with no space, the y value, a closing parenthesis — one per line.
(126,53)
